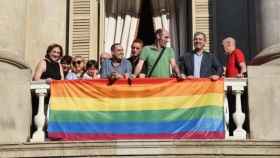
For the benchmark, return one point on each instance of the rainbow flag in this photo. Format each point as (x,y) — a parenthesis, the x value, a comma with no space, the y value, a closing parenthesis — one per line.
(144,109)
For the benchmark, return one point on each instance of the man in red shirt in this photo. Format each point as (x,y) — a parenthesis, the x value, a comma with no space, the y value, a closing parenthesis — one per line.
(235,66)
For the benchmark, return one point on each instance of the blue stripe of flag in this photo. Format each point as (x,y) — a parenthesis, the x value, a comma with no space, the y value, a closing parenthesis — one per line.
(199,125)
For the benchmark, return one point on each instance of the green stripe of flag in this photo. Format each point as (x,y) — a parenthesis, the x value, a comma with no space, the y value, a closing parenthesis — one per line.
(137,116)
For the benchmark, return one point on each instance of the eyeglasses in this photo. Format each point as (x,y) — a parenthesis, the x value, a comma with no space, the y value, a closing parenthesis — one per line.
(77,62)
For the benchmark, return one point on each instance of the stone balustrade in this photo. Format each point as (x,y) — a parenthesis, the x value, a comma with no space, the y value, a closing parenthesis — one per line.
(236,86)
(41,89)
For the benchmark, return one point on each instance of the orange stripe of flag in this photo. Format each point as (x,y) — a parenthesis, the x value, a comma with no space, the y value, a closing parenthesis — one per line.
(98,88)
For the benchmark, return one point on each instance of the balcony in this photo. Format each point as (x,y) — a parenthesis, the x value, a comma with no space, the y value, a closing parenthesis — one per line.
(238,144)
(236,86)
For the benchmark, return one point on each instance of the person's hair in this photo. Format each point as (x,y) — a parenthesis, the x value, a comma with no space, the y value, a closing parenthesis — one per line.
(78,57)
(200,33)
(229,38)
(137,40)
(92,63)
(51,47)
(114,46)
(158,32)
(66,59)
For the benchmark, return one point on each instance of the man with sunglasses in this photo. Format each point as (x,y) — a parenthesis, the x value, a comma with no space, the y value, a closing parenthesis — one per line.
(117,67)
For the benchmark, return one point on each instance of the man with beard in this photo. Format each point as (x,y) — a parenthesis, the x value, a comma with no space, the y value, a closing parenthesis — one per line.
(117,67)
(200,63)
(158,57)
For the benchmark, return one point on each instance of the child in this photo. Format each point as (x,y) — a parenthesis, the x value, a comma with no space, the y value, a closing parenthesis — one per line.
(91,70)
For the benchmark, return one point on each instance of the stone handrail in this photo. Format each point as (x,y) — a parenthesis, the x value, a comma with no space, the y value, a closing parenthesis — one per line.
(236,85)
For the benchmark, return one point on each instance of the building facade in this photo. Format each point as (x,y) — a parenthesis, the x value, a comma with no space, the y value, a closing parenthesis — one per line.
(89,27)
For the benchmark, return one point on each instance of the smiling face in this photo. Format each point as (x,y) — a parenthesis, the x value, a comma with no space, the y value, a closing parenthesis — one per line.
(117,52)
(199,42)
(55,54)
(78,64)
(163,38)
(229,45)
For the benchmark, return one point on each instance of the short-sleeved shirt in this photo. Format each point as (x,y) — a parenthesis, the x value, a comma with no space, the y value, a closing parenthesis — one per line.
(150,54)
(233,61)
(107,68)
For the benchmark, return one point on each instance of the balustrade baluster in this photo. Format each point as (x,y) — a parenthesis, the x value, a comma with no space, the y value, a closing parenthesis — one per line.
(239,117)
(39,134)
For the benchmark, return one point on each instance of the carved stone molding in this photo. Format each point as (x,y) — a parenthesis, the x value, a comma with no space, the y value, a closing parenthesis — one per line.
(9,58)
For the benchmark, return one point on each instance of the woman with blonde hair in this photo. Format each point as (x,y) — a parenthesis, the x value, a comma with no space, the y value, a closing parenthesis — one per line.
(78,68)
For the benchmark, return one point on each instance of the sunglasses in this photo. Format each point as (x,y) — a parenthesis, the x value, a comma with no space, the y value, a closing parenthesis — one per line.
(77,62)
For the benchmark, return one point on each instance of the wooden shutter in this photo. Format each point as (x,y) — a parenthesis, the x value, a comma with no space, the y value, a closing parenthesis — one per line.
(203,19)
(83,29)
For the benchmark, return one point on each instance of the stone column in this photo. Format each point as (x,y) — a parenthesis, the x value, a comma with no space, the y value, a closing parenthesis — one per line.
(267,14)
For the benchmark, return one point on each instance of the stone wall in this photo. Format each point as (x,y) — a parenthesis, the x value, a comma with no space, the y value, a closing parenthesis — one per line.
(27,27)
(15,105)
(13,26)
(264,102)
(46,24)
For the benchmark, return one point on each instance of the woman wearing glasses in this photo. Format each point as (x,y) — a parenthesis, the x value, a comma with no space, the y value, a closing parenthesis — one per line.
(78,68)
(49,68)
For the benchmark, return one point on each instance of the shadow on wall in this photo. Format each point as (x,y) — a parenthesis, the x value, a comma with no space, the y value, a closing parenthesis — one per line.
(269,56)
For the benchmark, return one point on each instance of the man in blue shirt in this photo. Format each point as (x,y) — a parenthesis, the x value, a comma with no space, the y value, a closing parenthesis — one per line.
(117,67)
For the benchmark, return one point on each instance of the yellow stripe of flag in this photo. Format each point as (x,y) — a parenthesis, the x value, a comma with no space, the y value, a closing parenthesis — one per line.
(136,104)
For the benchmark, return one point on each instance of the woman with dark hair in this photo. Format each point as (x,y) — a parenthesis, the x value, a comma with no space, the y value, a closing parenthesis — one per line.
(66,62)
(49,68)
